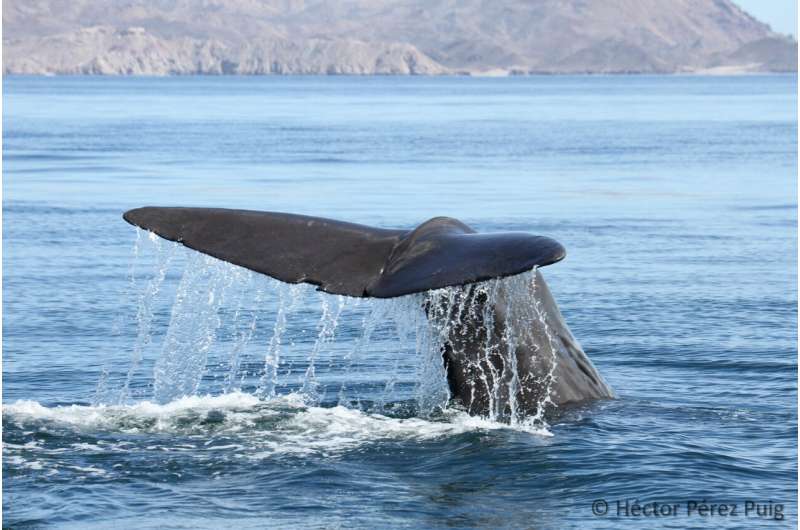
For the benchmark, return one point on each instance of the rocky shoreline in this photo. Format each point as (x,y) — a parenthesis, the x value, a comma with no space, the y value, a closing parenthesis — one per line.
(399,37)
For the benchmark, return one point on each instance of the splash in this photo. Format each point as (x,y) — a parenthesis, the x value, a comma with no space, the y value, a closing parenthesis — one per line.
(236,426)
(233,331)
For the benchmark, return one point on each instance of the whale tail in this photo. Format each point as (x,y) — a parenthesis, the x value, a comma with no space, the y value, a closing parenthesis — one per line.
(517,363)
(346,258)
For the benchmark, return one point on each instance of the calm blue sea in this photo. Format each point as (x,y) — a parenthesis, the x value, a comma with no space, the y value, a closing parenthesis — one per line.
(145,386)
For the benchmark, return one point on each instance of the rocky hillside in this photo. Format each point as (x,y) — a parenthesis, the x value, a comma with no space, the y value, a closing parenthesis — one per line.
(483,37)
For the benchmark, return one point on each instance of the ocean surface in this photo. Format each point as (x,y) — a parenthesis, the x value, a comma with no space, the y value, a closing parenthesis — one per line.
(148,386)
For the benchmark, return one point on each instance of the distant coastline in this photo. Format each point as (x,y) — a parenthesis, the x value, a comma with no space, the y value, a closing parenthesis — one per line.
(465,75)
(389,37)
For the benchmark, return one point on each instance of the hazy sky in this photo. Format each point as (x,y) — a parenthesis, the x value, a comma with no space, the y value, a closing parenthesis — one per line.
(780,14)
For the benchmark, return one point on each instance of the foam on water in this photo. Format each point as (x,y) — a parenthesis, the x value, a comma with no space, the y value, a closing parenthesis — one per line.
(237,410)
(242,425)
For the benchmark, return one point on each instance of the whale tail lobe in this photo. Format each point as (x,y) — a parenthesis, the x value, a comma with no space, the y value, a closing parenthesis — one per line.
(346,258)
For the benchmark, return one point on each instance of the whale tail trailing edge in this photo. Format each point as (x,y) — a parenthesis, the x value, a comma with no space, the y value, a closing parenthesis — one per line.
(346,258)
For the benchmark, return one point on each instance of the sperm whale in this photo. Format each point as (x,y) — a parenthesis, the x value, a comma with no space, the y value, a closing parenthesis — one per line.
(487,375)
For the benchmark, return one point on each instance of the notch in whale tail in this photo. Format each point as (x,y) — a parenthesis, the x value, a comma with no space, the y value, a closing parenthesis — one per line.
(346,258)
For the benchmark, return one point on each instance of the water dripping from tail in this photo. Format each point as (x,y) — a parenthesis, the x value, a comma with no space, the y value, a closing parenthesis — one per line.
(192,328)
(490,335)
(370,354)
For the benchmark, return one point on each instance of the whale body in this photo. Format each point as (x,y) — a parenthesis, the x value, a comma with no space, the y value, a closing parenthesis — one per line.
(503,358)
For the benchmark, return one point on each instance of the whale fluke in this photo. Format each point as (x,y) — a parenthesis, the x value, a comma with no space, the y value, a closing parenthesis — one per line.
(507,351)
(346,258)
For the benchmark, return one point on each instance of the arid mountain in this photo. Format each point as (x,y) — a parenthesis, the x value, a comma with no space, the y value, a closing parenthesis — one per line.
(162,37)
